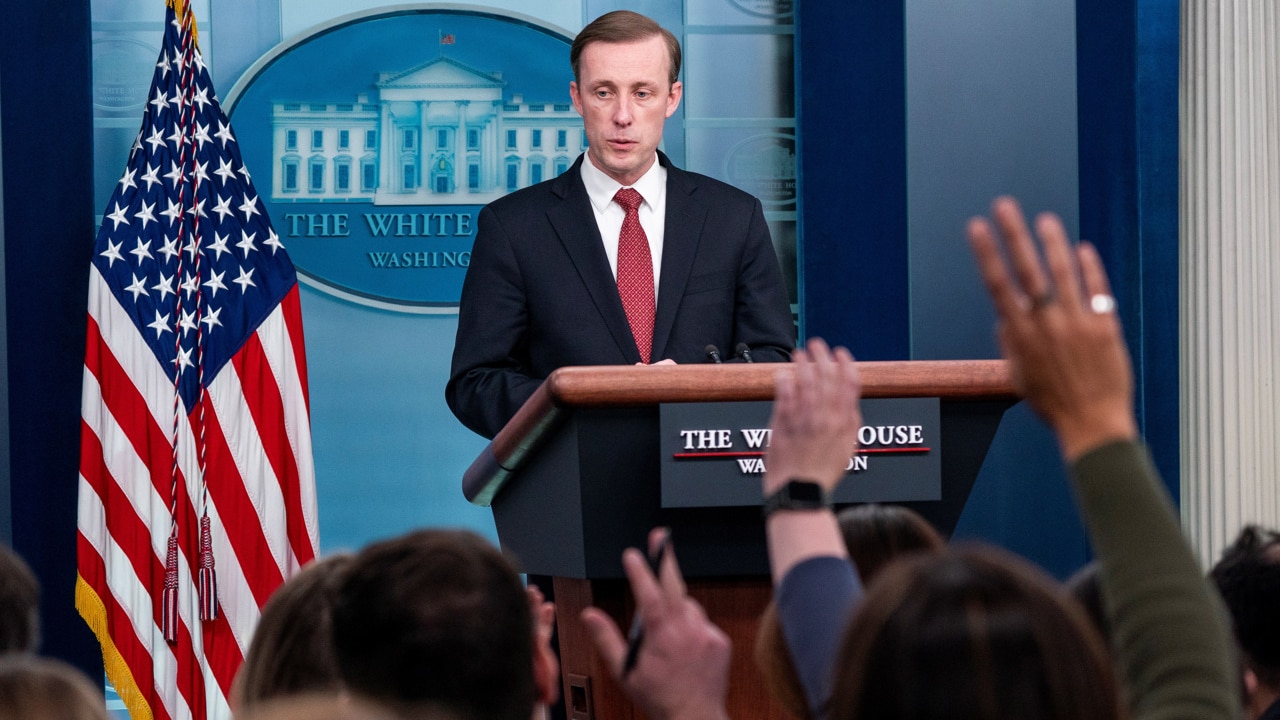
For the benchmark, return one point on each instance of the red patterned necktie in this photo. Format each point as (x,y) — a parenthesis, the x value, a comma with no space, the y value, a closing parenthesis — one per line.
(635,272)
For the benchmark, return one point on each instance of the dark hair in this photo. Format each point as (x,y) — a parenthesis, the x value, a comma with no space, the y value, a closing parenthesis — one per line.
(19,604)
(971,634)
(876,534)
(329,706)
(292,649)
(439,619)
(623,26)
(34,688)
(1248,577)
(1086,587)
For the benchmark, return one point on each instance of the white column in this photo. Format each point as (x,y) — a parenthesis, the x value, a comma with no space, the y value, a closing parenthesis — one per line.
(460,184)
(424,155)
(496,162)
(1229,276)
(387,159)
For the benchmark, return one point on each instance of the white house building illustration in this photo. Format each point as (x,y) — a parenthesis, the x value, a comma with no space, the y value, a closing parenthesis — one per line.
(438,133)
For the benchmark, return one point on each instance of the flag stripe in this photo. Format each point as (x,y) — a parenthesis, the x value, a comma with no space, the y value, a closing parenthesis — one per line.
(261,562)
(147,569)
(290,357)
(263,404)
(291,311)
(194,403)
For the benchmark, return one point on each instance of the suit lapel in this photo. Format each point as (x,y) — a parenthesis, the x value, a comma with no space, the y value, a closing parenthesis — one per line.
(681,234)
(575,224)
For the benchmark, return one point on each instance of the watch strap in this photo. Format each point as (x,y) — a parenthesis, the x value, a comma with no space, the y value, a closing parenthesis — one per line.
(797,494)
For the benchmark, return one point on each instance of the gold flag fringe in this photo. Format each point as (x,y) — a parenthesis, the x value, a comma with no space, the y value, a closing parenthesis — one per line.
(95,615)
(178,6)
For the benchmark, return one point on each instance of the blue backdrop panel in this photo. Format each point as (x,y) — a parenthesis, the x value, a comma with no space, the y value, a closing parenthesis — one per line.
(389,456)
(1128,68)
(851,146)
(48,233)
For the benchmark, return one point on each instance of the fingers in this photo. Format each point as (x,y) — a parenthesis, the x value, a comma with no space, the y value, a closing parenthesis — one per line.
(826,375)
(1092,271)
(1061,260)
(607,638)
(802,364)
(544,613)
(1007,299)
(1021,248)
(850,386)
(644,586)
(1029,286)
(670,579)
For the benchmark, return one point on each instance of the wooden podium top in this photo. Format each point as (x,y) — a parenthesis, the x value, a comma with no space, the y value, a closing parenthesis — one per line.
(631,386)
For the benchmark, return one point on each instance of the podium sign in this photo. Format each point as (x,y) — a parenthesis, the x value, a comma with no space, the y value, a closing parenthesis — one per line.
(713,454)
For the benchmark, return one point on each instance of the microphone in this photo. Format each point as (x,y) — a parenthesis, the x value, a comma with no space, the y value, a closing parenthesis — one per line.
(713,354)
(743,351)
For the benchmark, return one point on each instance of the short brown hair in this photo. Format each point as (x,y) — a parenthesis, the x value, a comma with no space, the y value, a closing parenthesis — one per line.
(623,26)
(437,619)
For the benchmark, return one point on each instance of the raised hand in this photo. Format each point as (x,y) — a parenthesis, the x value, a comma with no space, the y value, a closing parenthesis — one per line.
(1057,327)
(682,669)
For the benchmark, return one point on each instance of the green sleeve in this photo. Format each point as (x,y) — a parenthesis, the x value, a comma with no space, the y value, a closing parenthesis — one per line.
(1170,635)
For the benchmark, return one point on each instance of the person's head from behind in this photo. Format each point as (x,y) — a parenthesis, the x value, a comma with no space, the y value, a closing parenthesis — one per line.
(625,69)
(292,649)
(971,634)
(876,534)
(33,688)
(1248,578)
(19,604)
(329,706)
(437,620)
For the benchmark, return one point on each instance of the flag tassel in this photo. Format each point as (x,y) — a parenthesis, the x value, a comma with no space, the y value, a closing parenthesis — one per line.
(208,576)
(169,598)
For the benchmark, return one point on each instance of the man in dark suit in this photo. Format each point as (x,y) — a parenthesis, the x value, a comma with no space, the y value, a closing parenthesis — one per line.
(566,272)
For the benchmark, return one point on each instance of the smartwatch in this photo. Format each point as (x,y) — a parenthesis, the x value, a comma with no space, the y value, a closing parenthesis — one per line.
(797,494)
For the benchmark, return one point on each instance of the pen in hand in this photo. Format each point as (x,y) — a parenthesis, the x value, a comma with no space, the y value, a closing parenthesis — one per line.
(635,636)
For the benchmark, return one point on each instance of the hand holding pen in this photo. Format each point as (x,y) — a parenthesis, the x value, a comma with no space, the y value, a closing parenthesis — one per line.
(635,638)
(675,663)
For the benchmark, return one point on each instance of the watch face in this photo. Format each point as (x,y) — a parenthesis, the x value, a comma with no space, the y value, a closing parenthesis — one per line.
(804,492)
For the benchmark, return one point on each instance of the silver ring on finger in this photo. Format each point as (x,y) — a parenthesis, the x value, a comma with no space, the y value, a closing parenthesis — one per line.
(1101,304)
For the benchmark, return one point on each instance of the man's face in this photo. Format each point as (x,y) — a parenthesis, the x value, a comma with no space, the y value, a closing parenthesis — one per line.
(623,97)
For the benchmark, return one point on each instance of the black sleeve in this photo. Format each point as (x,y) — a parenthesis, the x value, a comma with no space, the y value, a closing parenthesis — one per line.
(488,380)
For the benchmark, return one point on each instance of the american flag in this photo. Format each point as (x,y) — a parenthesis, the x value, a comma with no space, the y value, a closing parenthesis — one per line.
(197,491)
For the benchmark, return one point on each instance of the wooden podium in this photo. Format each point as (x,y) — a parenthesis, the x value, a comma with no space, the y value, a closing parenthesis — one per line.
(573,480)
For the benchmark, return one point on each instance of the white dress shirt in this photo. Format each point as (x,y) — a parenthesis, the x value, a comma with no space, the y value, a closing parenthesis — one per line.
(652,186)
